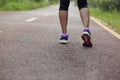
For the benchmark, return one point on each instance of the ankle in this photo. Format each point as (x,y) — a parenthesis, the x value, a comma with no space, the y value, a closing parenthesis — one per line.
(86,30)
(64,34)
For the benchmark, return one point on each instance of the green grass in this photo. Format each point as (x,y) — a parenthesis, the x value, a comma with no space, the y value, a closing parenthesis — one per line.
(112,18)
(25,5)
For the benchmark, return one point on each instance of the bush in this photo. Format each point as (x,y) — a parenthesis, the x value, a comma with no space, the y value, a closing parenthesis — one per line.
(106,5)
(110,5)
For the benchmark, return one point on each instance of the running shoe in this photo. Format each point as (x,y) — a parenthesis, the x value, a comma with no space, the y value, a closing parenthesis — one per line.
(86,36)
(64,39)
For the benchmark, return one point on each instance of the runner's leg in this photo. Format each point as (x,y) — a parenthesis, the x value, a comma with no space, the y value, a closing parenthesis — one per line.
(63,17)
(85,16)
(84,12)
(63,14)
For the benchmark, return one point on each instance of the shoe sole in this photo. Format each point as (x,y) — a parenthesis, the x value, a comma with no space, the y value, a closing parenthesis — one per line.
(87,42)
(63,41)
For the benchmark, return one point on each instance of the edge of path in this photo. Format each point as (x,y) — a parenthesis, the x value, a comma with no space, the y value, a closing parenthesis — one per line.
(102,24)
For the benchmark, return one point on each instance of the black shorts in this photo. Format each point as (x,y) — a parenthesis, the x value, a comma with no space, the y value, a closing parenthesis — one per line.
(64,4)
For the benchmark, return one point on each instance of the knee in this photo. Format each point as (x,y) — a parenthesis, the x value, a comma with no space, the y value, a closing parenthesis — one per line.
(82,4)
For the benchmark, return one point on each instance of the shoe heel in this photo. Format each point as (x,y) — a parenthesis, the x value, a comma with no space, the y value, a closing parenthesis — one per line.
(86,37)
(87,42)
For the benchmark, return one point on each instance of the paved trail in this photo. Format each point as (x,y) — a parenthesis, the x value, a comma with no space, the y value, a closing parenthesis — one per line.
(29,48)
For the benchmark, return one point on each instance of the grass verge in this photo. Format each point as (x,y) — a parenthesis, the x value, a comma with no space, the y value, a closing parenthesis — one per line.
(111,18)
(25,5)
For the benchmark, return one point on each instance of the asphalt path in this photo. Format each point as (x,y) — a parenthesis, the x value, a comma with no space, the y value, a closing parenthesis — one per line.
(29,48)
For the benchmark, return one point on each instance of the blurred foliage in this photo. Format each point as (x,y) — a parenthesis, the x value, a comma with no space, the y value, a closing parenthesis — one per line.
(24,4)
(106,5)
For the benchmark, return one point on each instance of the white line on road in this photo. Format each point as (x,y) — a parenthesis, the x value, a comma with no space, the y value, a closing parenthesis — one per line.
(31,19)
(34,18)
(46,14)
